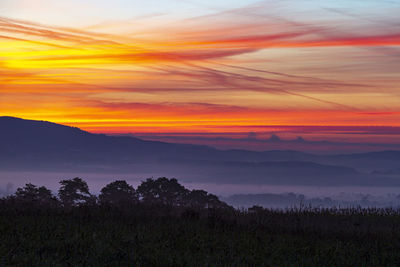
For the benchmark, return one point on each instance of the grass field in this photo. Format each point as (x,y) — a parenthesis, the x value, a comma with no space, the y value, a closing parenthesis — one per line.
(143,235)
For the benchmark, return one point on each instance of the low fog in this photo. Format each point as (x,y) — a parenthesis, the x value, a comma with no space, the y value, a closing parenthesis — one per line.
(237,195)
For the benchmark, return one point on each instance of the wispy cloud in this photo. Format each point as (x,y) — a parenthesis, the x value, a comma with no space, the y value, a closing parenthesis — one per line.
(249,66)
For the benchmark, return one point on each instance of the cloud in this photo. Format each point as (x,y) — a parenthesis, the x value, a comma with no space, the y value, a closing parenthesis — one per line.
(243,68)
(50,33)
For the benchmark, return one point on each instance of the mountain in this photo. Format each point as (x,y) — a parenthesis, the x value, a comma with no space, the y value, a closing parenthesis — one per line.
(257,143)
(39,140)
(45,146)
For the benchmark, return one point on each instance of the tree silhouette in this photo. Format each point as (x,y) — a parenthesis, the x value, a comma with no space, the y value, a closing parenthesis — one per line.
(118,192)
(197,199)
(33,194)
(213,202)
(162,191)
(200,199)
(74,192)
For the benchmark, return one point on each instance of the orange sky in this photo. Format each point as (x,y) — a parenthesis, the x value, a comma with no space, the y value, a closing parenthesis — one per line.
(225,71)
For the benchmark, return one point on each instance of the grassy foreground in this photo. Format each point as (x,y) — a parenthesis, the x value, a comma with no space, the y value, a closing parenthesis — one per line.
(144,235)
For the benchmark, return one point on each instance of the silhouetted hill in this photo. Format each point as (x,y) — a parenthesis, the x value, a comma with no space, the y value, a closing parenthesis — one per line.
(380,160)
(40,140)
(39,145)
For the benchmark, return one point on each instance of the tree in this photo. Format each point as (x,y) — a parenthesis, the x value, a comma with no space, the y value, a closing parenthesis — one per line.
(118,192)
(33,194)
(74,192)
(200,199)
(162,191)
(213,202)
(27,193)
(197,199)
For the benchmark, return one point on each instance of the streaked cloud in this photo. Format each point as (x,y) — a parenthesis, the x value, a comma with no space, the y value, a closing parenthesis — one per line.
(256,65)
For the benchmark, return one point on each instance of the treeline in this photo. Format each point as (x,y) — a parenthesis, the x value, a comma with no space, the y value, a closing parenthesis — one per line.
(286,200)
(75,193)
(161,223)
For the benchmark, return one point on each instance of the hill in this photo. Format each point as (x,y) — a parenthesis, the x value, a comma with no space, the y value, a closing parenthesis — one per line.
(43,146)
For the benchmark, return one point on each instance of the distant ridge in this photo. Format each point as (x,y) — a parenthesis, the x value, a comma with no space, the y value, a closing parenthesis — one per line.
(23,127)
(43,146)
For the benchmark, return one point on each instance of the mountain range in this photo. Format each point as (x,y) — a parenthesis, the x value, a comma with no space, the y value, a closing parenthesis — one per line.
(27,145)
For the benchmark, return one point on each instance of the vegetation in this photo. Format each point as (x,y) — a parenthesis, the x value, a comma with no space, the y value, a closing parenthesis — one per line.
(161,223)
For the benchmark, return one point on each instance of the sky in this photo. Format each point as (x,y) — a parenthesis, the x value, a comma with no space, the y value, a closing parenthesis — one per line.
(324,70)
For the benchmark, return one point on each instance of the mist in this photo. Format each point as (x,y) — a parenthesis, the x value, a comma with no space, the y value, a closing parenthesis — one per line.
(237,195)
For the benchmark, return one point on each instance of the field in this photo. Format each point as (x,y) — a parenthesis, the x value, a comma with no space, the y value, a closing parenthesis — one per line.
(157,235)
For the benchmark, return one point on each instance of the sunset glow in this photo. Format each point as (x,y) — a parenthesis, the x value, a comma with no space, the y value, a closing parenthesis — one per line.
(199,68)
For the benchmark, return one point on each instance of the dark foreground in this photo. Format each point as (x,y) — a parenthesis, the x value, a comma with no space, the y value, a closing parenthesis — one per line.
(149,235)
